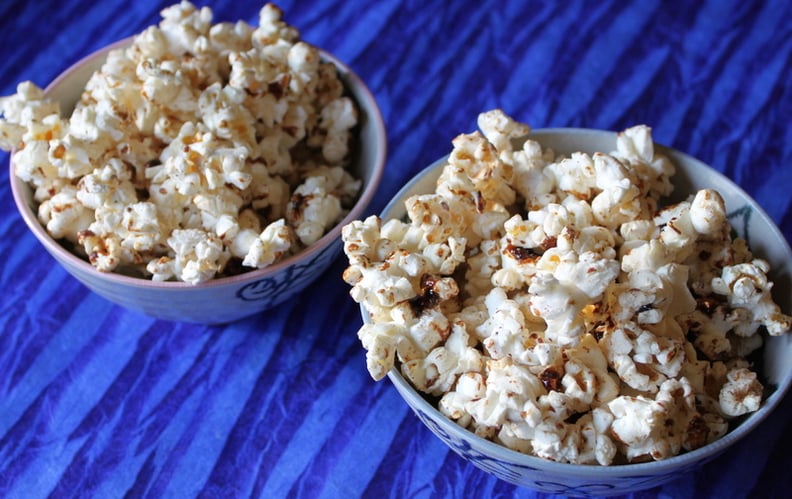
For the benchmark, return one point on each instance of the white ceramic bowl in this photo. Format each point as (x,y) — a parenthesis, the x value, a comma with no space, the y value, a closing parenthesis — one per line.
(224,299)
(747,218)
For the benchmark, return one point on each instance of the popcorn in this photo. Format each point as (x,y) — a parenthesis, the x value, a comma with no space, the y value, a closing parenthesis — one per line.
(437,373)
(232,138)
(142,230)
(337,118)
(654,428)
(198,256)
(315,204)
(642,359)
(746,288)
(503,330)
(496,398)
(741,394)
(587,379)
(64,215)
(551,305)
(500,129)
(25,111)
(270,246)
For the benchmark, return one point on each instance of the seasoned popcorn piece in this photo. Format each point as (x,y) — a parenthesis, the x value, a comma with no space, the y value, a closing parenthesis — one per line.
(63,214)
(499,396)
(104,252)
(445,257)
(586,441)
(226,117)
(430,326)
(560,305)
(709,258)
(378,289)
(589,271)
(344,185)
(75,154)
(217,207)
(183,25)
(708,214)
(619,199)
(576,176)
(470,386)
(500,129)
(642,359)
(270,246)
(481,265)
(22,112)
(586,378)
(721,332)
(407,289)
(741,394)
(635,147)
(267,193)
(109,185)
(41,158)
(166,88)
(380,341)
(360,242)
(560,292)
(438,218)
(519,253)
(313,209)
(651,296)
(226,38)
(141,228)
(437,373)
(198,255)
(504,332)
(531,179)
(338,117)
(657,428)
(31,164)
(556,234)
(693,232)
(272,27)
(412,334)
(638,231)
(476,161)
(317,204)
(746,287)
(303,59)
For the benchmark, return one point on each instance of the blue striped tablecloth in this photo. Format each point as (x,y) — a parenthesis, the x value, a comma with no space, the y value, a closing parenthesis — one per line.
(98,401)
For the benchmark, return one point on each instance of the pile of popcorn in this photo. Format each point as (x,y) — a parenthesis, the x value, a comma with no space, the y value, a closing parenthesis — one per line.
(196,151)
(552,305)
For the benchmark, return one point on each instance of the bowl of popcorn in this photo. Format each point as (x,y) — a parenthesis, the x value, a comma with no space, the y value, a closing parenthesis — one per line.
(576,311)
(196,171)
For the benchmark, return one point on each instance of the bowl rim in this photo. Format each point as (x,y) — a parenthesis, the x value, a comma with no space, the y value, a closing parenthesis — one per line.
(352,81)
(593,471)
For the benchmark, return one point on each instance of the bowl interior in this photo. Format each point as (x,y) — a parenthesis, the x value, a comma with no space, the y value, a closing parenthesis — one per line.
(748,220)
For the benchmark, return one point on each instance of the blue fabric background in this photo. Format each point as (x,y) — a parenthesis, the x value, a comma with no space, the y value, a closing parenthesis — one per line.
(99,401)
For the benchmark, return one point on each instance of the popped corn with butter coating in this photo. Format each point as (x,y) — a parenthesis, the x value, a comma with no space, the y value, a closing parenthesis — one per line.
(199,144)
(553,305)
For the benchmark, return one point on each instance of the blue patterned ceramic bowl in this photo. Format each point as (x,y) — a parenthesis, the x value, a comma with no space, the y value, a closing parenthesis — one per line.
(230,298)
(747,218)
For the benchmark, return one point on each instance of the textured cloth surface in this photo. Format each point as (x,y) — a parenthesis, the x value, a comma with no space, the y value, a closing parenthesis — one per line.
(99,401)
